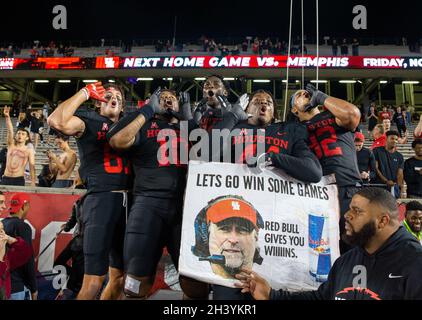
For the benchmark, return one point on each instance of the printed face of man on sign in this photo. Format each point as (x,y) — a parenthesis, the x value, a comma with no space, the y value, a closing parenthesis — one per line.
(229,227)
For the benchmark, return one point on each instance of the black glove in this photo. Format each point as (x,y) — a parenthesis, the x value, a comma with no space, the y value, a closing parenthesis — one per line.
(238,108)
(154,102)
(184,97)
(317,97)
(199,110)
(185,112)
(224,103)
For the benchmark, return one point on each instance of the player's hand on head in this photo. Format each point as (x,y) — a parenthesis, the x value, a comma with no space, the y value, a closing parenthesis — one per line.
(95,91)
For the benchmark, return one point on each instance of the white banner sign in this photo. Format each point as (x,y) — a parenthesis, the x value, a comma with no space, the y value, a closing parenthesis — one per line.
(237,217)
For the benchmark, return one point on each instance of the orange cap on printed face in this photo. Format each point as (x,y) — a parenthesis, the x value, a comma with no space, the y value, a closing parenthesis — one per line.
(231,208)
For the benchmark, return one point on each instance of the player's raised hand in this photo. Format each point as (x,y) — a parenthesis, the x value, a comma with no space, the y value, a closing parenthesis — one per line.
(154,101)
(185,111)
(184,97)
(225,104)
(317,97)
(95,91)
(238,108)
(243,101)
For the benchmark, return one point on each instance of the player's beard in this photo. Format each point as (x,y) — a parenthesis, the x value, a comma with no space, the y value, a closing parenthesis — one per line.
(362,237)
(414,228)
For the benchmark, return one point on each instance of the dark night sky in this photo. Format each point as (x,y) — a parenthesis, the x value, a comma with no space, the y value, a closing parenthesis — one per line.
(154,19)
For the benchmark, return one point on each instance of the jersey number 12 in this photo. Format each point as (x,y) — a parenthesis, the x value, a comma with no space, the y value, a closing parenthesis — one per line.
(325,147)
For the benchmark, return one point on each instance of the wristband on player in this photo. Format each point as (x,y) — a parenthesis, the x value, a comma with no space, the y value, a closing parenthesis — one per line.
(94,91)
(86,93)
(146,111)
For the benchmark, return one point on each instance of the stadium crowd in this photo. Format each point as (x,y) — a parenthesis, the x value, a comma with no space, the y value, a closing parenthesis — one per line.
(256,45)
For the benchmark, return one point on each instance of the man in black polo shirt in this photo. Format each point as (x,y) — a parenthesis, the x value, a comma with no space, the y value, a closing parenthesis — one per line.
(413,171)
(366,159)
(389,164)
(387,254)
